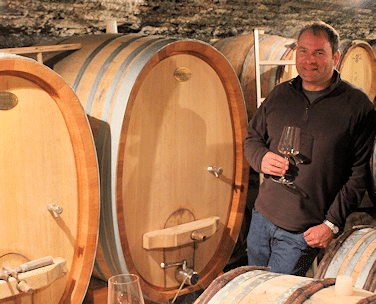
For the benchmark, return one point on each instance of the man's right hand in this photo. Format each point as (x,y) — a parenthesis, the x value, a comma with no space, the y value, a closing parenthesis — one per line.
(274,164)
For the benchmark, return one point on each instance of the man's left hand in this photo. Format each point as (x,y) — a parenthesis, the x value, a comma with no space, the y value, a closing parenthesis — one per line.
(319,236)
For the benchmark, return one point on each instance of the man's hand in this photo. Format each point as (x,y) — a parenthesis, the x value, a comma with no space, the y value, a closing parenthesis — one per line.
(274,164)
(319,236)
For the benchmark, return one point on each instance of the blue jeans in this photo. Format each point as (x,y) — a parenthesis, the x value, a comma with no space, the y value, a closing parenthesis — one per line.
(283,251)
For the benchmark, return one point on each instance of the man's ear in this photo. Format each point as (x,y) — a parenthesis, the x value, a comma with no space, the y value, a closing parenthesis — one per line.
(336,58)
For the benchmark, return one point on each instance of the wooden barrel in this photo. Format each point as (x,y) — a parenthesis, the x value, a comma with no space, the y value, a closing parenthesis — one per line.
(239,50)
(163,111)
(357,65)
(353,254)
(47,160)
(249,285)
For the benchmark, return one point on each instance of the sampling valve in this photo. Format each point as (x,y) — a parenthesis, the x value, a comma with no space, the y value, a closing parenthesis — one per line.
(183,273)
(215,171)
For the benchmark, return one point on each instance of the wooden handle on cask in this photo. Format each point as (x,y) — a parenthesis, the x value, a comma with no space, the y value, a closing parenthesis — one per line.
(181,234)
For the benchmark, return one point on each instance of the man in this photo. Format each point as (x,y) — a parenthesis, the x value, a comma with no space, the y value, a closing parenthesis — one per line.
(291,222)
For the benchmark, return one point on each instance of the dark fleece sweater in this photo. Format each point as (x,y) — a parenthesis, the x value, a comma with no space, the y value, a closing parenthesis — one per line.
(337,136)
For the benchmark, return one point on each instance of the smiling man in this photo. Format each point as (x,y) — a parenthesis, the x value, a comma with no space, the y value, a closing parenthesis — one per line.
(290,222)
(315,58)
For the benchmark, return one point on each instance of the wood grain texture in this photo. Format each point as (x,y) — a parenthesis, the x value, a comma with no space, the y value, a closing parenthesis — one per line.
(239,50)
(357,65)
(157,130)
(352,254)
(264,287)
(47,156)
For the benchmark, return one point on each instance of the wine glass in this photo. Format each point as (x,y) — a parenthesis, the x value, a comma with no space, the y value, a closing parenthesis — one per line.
(124,289)
(289,145)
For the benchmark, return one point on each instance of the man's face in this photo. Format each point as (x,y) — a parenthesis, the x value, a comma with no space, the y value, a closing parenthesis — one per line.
(315,61)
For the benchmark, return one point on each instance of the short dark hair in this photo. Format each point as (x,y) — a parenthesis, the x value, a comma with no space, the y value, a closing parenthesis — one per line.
(320,27)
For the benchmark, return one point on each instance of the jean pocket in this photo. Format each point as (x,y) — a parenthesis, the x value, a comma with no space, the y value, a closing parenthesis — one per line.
(304,240)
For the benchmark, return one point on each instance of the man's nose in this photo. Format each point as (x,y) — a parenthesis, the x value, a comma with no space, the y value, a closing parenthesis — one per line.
(310,58)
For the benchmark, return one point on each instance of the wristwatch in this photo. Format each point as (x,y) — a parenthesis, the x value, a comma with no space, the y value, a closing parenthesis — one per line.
(333,227)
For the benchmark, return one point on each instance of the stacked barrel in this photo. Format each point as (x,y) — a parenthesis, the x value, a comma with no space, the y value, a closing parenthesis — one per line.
(251,285)
(346,274)
(352,254)
(240,51)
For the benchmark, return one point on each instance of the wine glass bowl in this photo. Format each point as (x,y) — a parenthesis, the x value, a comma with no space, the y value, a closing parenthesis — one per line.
(124,289)
(288,146)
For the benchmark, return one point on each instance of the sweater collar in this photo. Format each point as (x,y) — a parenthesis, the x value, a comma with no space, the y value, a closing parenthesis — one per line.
(297,82)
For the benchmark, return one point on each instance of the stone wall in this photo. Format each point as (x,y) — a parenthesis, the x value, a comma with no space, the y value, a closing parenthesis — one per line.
(27,22)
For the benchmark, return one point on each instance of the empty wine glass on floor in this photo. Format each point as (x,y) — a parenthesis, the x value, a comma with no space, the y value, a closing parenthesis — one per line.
(124,289)
(288,146)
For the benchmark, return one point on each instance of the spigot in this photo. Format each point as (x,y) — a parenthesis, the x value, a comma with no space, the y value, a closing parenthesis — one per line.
(55,210)
(183,273)
(186,275)
(215,171)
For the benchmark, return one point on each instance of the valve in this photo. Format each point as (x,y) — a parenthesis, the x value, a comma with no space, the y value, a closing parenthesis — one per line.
(183,273)
(56,210)
(215,171)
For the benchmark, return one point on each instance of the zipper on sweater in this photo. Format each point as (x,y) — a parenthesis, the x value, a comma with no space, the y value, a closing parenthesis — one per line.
(305,116)
(307,105)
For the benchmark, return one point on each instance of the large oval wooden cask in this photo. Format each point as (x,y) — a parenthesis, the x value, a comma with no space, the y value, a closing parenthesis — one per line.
(47,159)
(162,111)
(248,284)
